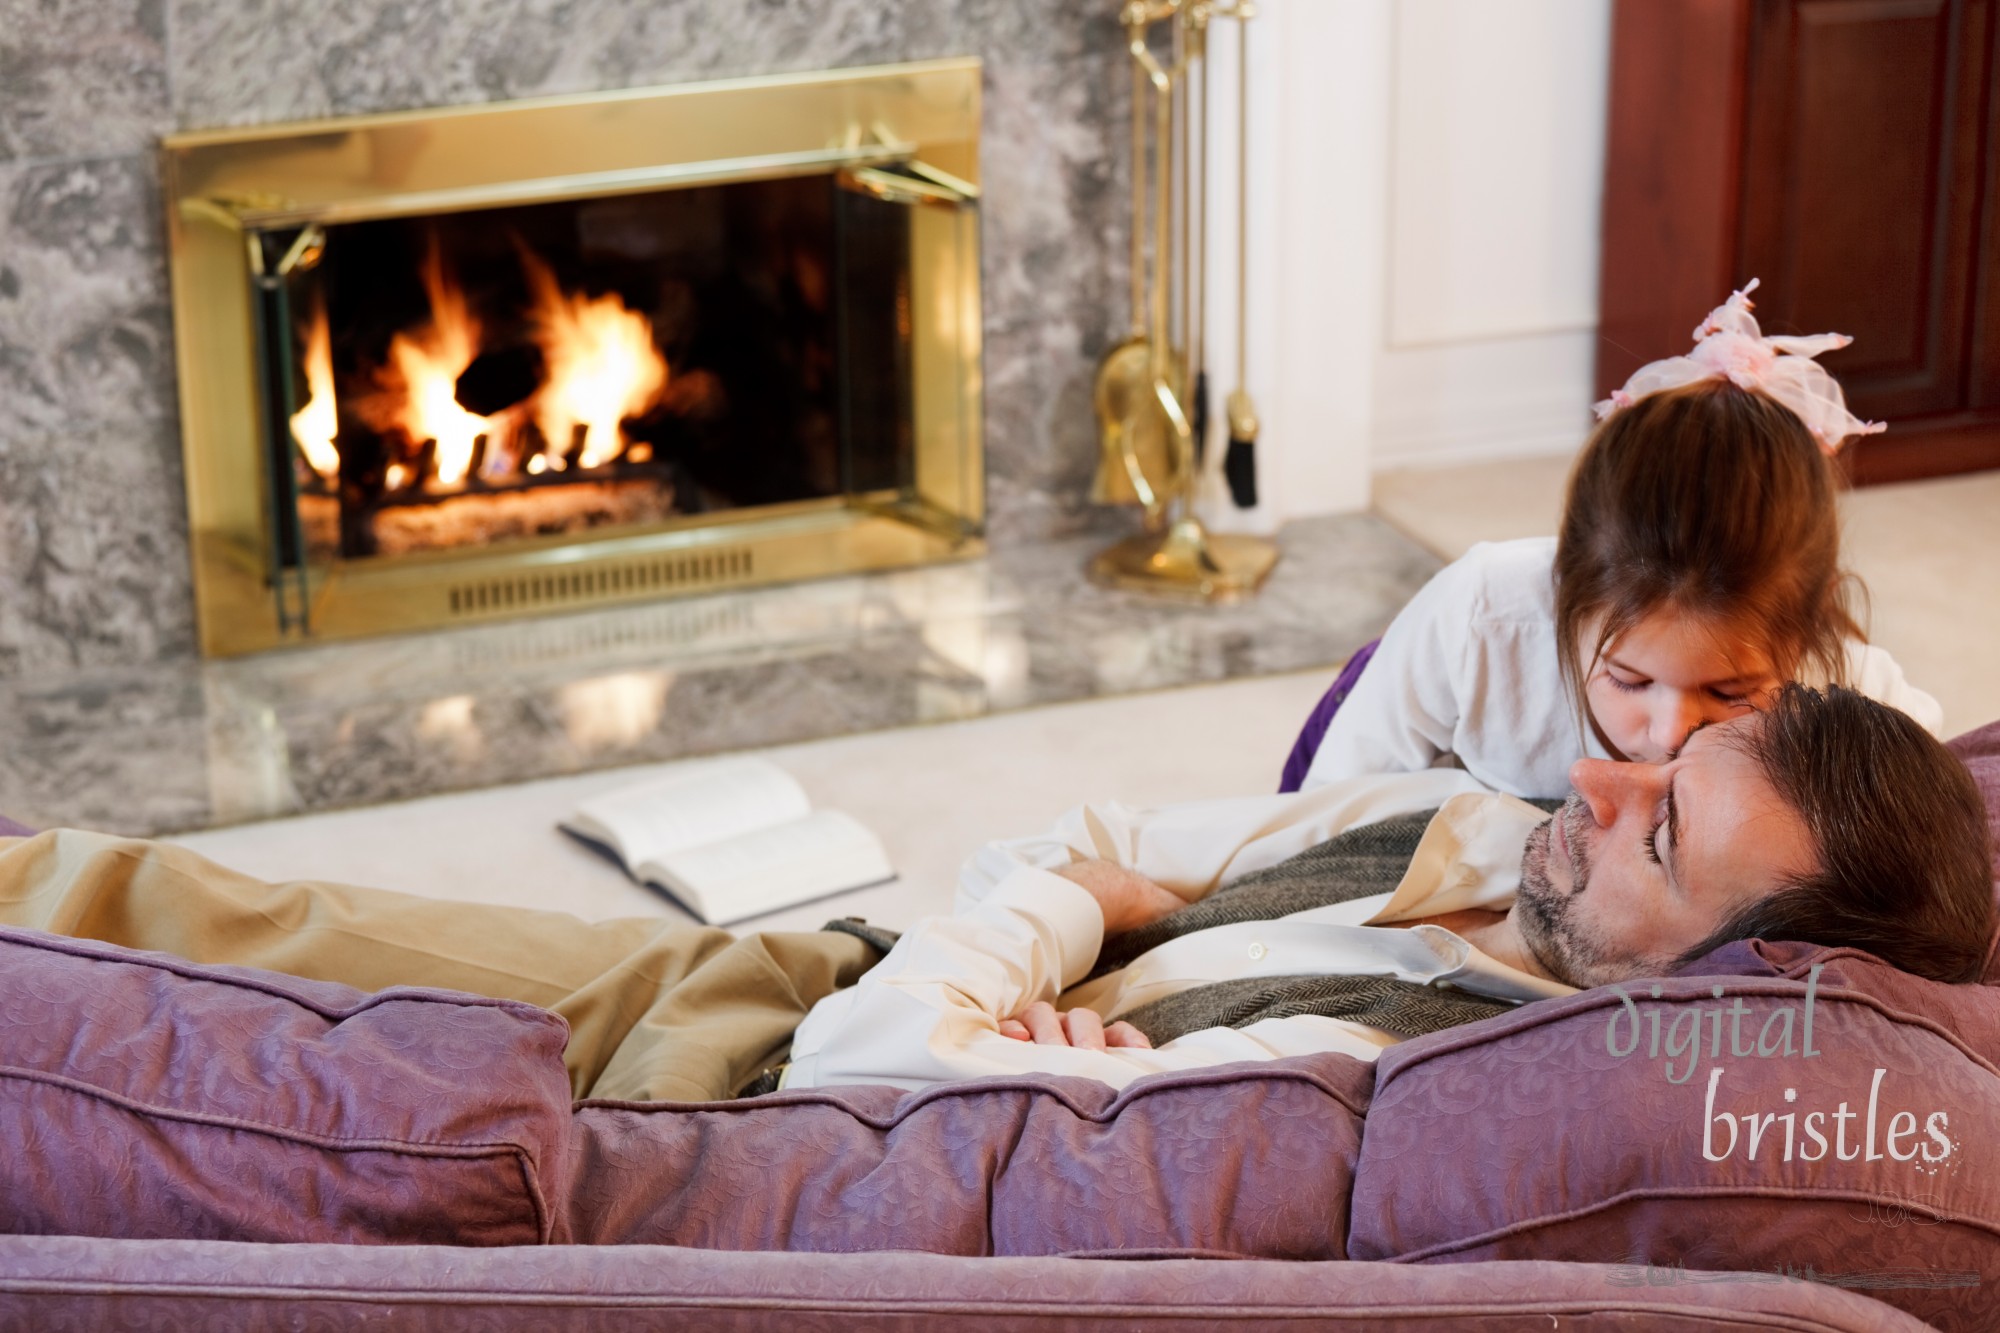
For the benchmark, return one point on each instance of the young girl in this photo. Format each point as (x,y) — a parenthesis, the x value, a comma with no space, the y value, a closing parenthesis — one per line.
(1697,568)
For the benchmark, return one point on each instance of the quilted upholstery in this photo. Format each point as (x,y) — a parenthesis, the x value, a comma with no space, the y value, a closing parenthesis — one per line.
(1547,1135)
(1238,1160)
(1980,750)
(145,1096)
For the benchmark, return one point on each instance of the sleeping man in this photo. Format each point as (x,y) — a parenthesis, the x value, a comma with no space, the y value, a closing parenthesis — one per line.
(1339,919)
(1830,819)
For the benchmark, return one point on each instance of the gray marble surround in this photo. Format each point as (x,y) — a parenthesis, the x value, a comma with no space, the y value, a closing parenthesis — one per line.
(93,563)
(109,719)
(186,744)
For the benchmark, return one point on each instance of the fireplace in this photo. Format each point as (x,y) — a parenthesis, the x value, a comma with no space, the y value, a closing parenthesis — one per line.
(503,360)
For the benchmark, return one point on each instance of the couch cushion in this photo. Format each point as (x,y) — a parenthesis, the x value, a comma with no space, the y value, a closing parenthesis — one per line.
(1980,750)
(145,1096)
(1252,1159)
(1548,1134)
(1971,1013)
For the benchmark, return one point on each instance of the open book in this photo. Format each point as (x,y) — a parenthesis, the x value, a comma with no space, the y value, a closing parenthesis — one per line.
(731,839)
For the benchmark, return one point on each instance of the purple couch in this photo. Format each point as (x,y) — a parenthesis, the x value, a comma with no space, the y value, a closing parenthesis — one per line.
(104,1284)
(220,1148)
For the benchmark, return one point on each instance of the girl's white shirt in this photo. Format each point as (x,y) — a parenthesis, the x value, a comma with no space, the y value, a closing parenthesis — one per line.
(1468,674)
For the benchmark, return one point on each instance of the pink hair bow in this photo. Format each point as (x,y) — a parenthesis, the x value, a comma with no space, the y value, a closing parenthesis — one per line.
(1728,345)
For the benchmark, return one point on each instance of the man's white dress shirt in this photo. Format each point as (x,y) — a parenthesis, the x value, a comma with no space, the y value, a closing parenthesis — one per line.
(930,1011)
(1469,669)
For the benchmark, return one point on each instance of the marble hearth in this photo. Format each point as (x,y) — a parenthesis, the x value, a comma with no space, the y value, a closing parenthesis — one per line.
(187,744)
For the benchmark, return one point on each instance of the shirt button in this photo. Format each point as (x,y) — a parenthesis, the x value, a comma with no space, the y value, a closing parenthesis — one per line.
(1257,952)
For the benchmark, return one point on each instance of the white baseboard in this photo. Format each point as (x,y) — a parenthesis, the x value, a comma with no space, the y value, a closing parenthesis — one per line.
(1495,442)
(1482,401)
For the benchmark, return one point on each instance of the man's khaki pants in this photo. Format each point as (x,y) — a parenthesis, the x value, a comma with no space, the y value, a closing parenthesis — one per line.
(657,1011)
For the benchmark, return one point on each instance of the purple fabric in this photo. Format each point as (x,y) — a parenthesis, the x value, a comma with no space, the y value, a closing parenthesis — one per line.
(48,1283)
(9,829)
(1981,752)
(1529,1137)
(145,1096)
(1236,1160)
(1307,745)
(1970,1013)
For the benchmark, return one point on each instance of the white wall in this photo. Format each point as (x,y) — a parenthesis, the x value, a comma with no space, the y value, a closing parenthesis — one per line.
(1496,171)
(1426,177)
(1496,166)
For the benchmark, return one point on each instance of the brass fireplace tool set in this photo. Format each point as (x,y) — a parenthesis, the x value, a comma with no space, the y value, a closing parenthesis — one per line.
(1152,388)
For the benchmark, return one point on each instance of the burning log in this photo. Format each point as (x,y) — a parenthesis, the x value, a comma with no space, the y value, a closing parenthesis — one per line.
(475,518)
(498,378)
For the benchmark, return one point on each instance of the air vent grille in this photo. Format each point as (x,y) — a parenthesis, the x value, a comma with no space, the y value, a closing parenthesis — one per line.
(542,589)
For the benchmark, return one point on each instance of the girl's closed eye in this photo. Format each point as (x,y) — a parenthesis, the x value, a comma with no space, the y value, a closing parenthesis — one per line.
(1653,845)
(1667,673)
(1746,692)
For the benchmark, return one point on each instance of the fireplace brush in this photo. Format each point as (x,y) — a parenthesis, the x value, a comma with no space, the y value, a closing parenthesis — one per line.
(1239,464)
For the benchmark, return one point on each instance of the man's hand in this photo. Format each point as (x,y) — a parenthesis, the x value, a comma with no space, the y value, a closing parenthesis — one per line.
(1045,1025)
(1127,898)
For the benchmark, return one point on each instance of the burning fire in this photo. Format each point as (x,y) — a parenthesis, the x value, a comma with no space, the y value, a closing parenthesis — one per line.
(600,368)
(313,425)
(427,364)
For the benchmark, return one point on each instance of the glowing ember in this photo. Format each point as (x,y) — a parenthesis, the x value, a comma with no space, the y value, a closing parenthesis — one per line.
(602,368)
(314,425)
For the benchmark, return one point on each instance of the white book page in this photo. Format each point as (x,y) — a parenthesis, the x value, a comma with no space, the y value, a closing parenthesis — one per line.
(702,803)
(767,869)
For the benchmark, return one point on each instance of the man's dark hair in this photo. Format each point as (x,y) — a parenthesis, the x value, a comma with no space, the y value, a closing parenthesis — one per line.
(1904,870)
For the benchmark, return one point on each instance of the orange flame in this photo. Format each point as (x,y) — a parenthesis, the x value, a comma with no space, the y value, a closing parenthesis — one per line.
(428,362)
(313,425)
(602,368)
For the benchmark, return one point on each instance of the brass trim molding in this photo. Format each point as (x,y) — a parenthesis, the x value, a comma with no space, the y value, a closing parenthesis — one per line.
(863,125)
(403,162)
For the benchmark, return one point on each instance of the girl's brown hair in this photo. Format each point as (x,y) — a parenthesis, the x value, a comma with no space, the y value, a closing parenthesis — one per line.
(1708,501)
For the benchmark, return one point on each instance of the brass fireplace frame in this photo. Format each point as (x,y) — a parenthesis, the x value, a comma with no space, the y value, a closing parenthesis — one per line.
(907,133)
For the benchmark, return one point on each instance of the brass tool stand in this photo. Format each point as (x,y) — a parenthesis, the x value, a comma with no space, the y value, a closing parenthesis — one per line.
(1176,556)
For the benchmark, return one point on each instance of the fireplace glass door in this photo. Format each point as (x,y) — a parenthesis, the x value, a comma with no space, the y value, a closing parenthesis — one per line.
(594,380)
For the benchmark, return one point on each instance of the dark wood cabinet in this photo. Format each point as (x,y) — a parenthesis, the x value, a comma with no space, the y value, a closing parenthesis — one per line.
(1846,152)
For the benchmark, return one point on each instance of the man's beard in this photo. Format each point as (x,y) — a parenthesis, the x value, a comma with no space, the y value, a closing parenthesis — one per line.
(1565,945)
